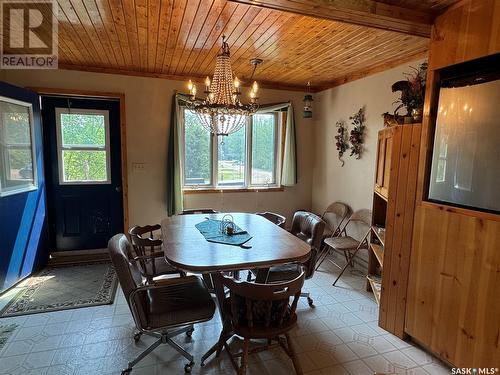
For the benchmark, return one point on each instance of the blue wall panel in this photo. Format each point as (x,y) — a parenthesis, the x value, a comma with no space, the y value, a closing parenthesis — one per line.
(23,222)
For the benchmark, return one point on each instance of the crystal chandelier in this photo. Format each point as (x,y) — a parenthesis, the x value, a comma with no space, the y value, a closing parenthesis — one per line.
(222,112)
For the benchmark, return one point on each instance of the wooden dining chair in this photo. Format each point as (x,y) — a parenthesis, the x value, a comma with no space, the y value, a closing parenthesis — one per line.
(335,216)
(348,244)
(149,253)
(277,219)
(255,312)
(193,211)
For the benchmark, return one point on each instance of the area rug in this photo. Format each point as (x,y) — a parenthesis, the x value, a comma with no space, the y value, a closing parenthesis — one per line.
(6,331)
(65,287)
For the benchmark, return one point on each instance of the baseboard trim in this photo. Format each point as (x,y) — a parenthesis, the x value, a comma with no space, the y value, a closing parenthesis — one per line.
(77,256)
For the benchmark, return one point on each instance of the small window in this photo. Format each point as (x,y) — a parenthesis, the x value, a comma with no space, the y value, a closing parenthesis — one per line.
(83,146)
(264,158)
(198,143)
(17,148)
(232,156)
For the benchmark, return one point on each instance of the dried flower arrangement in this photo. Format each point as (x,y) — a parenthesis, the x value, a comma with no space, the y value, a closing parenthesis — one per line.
(341,140)
(412,91)
(356,138)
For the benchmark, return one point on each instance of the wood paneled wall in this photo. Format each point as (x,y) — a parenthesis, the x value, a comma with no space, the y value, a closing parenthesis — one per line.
(453,293)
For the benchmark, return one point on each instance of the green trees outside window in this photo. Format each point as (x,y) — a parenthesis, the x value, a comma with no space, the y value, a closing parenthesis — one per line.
(83,146)
(236,167)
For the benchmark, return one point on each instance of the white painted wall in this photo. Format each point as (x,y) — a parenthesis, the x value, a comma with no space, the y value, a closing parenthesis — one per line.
(352,183)
(148,119)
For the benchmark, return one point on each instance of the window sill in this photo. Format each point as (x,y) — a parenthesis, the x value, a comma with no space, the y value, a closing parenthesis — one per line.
(226,190)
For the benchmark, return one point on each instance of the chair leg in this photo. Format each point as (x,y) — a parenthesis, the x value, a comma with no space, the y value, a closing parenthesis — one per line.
(323,255)
(293,355)
(142,355)
(309,299)
(244,358)
(343,269)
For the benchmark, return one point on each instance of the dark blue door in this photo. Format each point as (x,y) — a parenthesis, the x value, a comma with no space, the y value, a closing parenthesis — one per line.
(23,225)
(84,176)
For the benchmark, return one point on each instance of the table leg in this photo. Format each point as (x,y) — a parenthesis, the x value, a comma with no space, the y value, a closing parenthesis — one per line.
(225,334)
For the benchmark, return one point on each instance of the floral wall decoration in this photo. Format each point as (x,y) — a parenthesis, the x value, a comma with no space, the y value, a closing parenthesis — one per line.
(356,138)
(341,139)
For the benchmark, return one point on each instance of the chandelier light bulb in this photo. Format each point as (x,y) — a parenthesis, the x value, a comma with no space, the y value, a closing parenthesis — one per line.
(221,112)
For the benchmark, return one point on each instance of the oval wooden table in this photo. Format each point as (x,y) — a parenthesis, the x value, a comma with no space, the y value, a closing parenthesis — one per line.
(186,248)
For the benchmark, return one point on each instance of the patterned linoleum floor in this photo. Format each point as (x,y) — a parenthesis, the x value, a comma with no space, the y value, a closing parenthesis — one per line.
(339,336)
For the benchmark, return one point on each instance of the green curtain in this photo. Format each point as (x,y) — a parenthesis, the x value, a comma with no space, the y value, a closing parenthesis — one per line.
(289,170)
(175,201)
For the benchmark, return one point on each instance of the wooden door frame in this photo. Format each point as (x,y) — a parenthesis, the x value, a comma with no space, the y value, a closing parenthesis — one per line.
(123,132)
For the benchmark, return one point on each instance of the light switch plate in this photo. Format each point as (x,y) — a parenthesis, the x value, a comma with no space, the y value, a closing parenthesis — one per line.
(138,167)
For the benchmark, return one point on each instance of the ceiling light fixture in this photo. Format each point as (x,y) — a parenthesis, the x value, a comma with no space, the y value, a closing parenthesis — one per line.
(221,112)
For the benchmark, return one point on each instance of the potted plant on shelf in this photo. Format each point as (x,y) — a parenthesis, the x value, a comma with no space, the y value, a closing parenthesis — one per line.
(412,94)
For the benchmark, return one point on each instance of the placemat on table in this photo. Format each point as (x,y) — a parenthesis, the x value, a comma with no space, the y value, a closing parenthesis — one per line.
(210,229)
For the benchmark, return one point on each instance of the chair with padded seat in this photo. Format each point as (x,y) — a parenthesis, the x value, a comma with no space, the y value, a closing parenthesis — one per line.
(360,222)
(309,228)
(164,309)
(277,219)
(274,218)
(258,311)
(334,216)
(148,251)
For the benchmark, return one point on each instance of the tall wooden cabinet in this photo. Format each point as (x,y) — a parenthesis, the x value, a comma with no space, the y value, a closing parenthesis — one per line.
(392,222)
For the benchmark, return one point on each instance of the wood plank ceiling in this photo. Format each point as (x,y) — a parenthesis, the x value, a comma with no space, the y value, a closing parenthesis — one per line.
(181,38)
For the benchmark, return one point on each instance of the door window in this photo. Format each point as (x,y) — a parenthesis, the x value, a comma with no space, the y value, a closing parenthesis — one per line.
(83,146)
(17,166)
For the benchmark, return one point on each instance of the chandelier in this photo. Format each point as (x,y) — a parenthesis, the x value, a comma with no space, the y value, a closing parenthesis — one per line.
(222,112)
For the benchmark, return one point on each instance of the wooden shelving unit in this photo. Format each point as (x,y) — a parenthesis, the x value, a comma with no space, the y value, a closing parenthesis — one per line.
(393,208)
(375,285)
(379,233)
(378,250)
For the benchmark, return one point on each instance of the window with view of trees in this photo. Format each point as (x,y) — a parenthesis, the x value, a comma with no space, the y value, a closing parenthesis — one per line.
(83,146)
(246,158)
(16,147)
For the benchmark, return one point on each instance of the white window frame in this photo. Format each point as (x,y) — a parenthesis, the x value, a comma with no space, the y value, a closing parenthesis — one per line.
(248,159)
(277,153)
(61,148)
(34,183)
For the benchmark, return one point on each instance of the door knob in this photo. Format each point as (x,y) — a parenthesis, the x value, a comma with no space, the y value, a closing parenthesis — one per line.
(118,189)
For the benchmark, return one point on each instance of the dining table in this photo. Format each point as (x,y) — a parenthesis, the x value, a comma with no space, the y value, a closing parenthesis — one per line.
(186,248)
